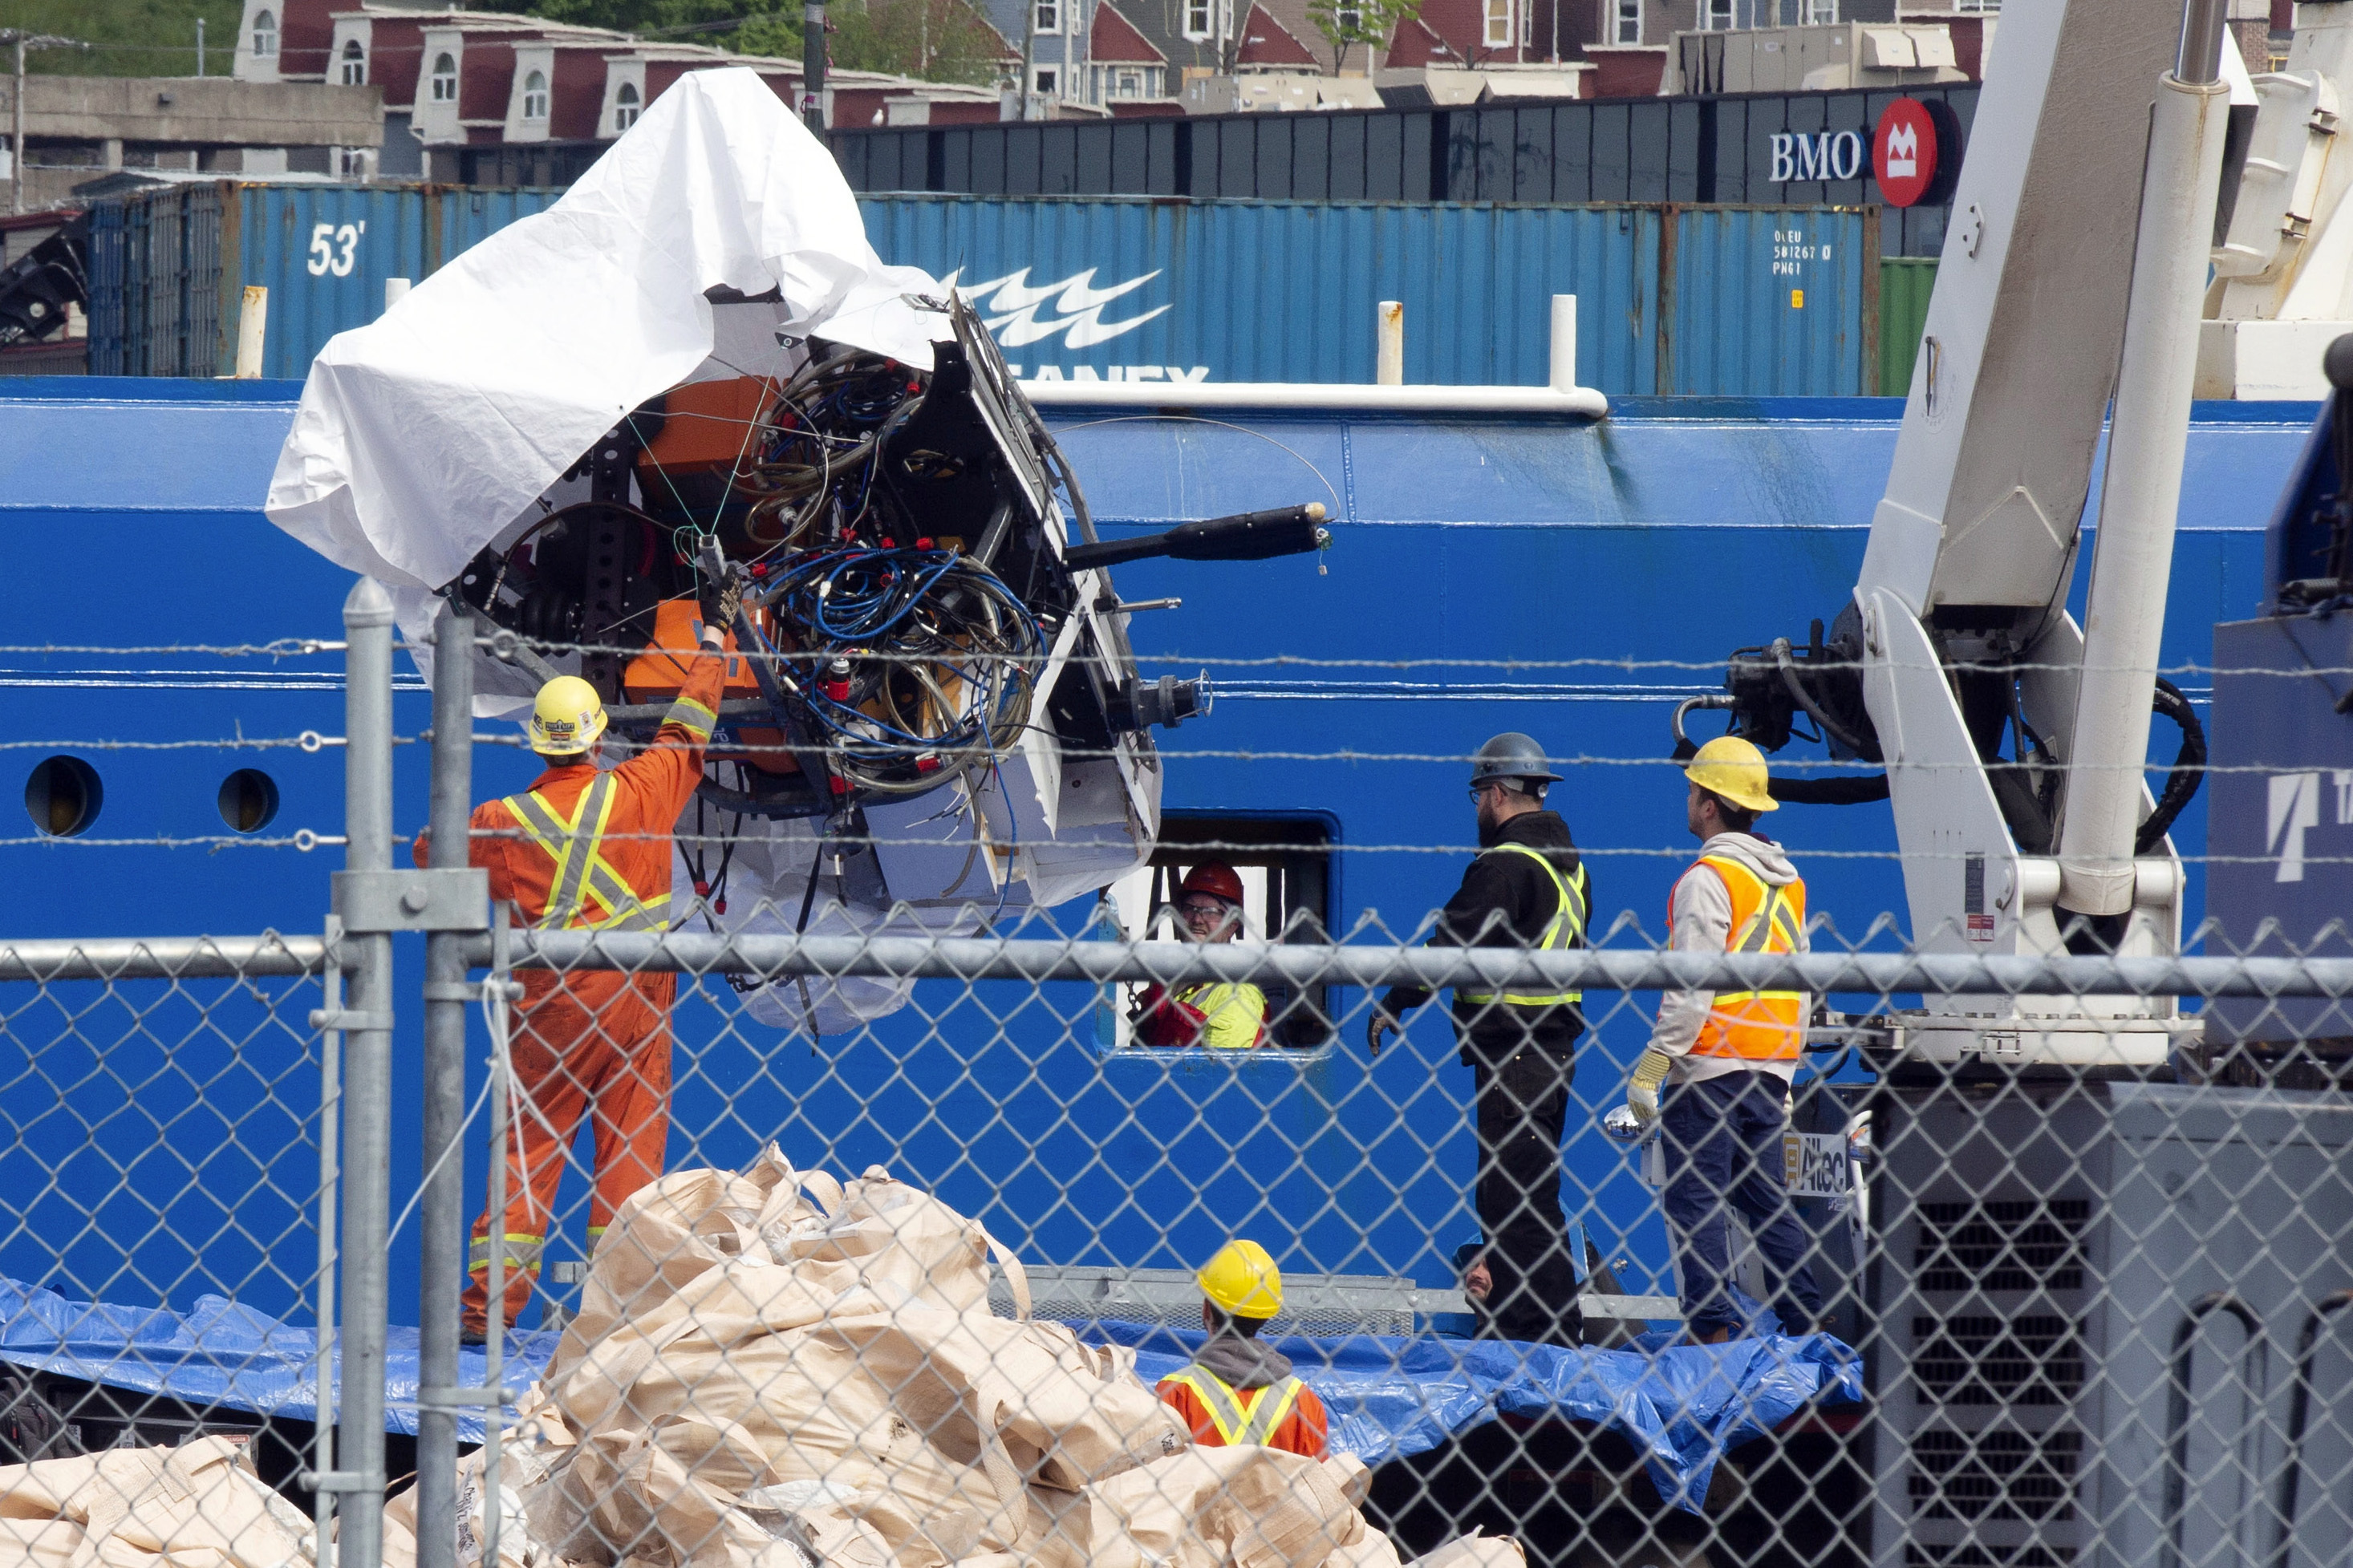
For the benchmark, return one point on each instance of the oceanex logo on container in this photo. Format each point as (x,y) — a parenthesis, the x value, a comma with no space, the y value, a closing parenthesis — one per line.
(1021,313)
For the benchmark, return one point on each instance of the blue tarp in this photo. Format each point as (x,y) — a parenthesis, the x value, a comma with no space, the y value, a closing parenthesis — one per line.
(1681,1405)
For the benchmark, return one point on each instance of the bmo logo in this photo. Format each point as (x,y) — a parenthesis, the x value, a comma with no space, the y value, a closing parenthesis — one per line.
(1816,155)
(1903,151)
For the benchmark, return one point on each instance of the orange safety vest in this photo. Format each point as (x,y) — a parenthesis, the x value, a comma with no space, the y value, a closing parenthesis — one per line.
(1284,1414)
(1757,1026)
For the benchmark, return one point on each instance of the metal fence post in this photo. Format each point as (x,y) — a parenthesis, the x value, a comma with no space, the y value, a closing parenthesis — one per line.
(367,1094)
(441,1207)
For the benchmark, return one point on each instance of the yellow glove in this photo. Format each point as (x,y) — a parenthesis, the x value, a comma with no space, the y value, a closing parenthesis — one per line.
(1642,1089)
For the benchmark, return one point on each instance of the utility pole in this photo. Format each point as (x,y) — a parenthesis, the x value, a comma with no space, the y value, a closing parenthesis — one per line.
(813,65)
(24,41)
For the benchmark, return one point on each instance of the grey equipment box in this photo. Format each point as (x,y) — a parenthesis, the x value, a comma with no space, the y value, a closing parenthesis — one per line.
(2109,1326)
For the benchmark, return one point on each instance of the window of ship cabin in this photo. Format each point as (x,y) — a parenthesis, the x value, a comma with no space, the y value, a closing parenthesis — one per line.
(1285,865)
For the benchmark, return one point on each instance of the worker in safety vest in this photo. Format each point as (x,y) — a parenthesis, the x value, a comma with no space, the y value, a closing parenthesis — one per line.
(585,846)
(1239,1390)
(1225,1014)
(1526,889)
(1725,1058)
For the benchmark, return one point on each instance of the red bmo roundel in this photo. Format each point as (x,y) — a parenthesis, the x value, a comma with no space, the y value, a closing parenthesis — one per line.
(1903,151)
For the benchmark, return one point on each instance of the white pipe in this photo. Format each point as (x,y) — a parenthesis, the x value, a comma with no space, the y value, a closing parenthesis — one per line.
(2125,612)
(1388,364)
(252,324)
(1583,402)
(1564,343)
(395,289)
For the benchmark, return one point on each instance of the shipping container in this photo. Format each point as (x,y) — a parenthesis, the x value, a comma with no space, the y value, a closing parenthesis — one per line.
(1760,301)
(1691,150)
(1904,284)
(169,268)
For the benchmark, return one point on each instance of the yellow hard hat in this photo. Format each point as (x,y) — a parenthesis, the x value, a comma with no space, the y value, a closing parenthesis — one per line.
(1242,1281)
(1734,768)
(567,718)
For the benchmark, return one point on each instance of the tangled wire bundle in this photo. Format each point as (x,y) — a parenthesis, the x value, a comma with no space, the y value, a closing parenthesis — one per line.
(914,662)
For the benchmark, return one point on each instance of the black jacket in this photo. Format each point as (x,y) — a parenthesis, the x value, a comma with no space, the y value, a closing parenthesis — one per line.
(1508,884)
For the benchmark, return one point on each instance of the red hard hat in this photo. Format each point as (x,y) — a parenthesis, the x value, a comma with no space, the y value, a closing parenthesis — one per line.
(1215,879)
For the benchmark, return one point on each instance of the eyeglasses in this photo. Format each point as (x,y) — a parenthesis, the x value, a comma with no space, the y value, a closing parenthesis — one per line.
(1202,910)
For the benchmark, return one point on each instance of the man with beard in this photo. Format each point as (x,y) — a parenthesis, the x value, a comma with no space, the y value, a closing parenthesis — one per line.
(1527,889)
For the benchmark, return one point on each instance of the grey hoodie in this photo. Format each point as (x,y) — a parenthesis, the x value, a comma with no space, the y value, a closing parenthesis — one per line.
(1239,1362)
(1700,913)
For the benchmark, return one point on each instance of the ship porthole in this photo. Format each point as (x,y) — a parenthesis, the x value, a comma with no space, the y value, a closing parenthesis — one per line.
(248,800)
(63,796)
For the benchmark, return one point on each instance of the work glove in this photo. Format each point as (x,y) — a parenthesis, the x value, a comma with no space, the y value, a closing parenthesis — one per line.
(1382,1024)
(1642,1089)
(721,601)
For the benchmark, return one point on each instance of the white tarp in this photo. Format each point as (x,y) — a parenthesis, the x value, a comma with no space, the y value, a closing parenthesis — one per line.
(424,434)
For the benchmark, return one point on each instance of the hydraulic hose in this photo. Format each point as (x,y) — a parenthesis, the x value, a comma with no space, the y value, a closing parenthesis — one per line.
(1836,731)
(2189,766)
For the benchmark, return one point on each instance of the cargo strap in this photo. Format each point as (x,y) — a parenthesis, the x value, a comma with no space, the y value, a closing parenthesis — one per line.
(1242,1417)
(1567,929)
(582,872)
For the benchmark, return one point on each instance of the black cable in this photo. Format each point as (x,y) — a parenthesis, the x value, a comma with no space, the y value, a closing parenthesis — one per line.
(1828,792)
(2189,766)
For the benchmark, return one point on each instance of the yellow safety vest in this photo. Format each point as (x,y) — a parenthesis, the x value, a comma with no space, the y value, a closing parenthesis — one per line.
(1568,925)
(1251,1419)
(582,872)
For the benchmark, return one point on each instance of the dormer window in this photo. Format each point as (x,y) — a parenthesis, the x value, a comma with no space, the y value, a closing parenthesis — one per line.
(265,35)
(445,78)
(353,64)
(626,105)
(534,96)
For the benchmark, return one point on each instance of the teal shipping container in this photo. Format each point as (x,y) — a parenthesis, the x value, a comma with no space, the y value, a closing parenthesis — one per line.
(1732,301)
(1747,302)
(168,270)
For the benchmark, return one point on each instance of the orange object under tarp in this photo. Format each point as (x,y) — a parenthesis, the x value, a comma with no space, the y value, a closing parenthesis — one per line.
(709,426)
(656,675)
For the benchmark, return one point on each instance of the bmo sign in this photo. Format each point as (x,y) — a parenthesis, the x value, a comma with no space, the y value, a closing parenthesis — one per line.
(1817,155)
(1904,152)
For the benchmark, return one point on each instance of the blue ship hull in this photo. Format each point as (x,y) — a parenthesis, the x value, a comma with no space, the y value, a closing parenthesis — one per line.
(156,1160)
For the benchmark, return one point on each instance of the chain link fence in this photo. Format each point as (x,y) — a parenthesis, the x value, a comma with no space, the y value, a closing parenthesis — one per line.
(840,1247)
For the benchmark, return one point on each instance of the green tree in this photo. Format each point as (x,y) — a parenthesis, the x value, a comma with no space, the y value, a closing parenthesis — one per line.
(128,38)
(933,41)
(1346,23)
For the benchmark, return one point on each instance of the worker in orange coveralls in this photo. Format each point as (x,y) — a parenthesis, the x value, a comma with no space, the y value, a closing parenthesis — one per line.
(587,848)
(1239,1391)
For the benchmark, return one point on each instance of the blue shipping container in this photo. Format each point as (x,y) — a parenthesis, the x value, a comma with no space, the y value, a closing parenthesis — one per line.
(168,269)
(1754,302)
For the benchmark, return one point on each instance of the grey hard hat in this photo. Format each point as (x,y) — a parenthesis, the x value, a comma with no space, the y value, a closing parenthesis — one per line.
(1511,755)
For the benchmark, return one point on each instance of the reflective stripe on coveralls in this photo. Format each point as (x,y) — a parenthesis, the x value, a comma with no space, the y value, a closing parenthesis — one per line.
(1239,1426)
(1757,1026)
(1566,926)
(577,846)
